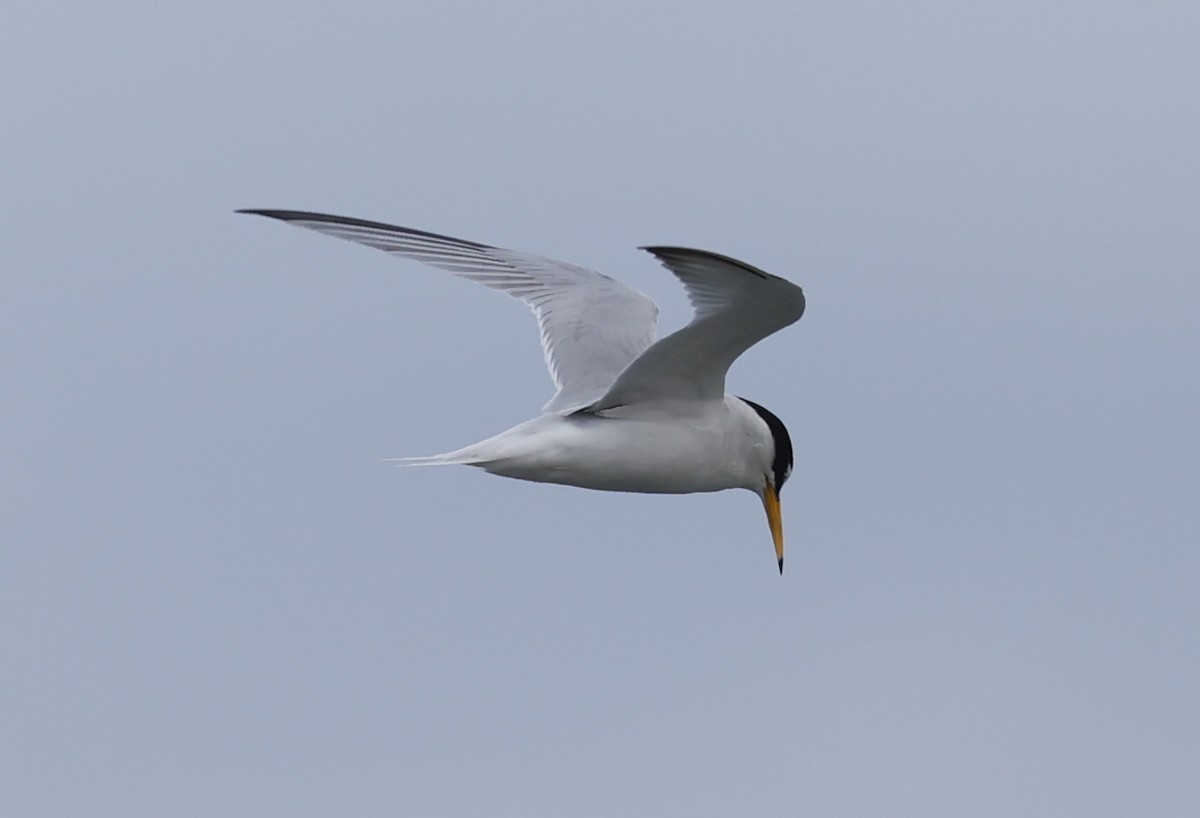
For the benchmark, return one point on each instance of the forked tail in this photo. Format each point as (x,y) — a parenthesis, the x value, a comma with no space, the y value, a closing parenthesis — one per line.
(432,460)
(461,457)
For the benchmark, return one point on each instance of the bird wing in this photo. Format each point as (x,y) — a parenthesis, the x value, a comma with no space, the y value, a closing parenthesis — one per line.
(592,326)
(735,305)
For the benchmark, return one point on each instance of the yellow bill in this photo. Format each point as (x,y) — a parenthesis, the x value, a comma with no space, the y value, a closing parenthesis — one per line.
(770,500)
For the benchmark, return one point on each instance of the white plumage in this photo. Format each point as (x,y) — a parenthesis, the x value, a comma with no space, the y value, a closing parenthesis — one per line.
(629,413)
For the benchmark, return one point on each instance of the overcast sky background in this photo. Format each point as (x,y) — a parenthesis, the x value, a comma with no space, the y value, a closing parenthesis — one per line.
(217,600)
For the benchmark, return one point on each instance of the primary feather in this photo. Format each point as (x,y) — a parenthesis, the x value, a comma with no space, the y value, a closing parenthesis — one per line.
(591,325)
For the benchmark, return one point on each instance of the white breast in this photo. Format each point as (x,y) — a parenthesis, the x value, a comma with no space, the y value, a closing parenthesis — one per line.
(654,449)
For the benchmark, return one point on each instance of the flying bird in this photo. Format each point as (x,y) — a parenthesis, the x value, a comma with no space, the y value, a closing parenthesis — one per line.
(630,413)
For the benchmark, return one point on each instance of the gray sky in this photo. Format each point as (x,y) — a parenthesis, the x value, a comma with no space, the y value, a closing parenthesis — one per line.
(216,600)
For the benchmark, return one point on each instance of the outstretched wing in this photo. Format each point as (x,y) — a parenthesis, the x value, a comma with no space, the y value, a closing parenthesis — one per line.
(735,305)
(592,326)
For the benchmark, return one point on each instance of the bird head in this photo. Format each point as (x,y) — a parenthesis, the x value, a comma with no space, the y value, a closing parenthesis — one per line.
(778,473)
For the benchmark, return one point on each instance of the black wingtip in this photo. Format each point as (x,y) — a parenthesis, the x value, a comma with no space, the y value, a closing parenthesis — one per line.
(284,215)
(781,566)
(346,221)
(667,254)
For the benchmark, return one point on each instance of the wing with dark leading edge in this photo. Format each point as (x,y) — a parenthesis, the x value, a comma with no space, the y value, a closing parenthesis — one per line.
(592,326)
(736,306)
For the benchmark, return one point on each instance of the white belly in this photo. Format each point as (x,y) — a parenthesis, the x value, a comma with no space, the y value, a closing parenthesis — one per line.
(659,454)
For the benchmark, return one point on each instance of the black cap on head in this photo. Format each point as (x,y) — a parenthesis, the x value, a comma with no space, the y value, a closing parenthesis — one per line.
(782,465)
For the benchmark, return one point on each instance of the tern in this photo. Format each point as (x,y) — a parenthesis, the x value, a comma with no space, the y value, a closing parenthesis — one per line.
(630,413)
